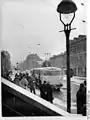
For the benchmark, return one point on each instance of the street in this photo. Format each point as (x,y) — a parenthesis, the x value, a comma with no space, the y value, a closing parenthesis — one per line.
(60,97)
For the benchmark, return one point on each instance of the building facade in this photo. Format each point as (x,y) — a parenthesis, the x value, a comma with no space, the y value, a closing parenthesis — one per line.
(77,57)
(31,61)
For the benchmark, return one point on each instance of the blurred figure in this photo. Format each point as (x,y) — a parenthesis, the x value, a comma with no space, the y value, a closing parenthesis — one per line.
(84,106)
(16,79)
(31,84)
(49,93)
(11,76)
(84,83)
(46,91)
(23,82)
(6,75)
(43,91)
(40,83)
(81,99)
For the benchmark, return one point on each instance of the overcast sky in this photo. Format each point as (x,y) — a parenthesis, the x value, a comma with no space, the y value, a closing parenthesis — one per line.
(27,23)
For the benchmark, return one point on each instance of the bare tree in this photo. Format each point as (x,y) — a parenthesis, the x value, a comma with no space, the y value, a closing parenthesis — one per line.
(5,63)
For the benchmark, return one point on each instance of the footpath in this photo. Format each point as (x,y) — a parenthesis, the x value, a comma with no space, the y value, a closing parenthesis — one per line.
(74,86)
(60,103)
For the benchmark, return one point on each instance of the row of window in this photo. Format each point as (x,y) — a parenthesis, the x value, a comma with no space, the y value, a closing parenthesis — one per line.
(80,71)
(77,60)
(78,48)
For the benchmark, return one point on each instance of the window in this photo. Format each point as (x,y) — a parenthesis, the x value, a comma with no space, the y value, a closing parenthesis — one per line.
(52,73)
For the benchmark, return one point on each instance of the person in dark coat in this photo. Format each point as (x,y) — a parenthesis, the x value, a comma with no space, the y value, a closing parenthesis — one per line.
(23,82)
(17,79)
(49,93)
(46,92)
(84,106)
(81,99)
(31,84)
(43,91)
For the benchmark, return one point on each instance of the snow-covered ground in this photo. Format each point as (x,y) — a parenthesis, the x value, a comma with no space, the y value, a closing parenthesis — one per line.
(75,83)
(60,98)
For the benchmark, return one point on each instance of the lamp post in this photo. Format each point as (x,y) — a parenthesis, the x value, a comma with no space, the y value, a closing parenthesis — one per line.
(65,8)
(17,66)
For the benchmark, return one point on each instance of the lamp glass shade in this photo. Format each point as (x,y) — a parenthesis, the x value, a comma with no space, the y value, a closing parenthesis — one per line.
(66,7)
(66,18)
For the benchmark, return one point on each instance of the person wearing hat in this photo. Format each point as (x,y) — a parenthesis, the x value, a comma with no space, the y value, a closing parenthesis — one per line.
(81,98)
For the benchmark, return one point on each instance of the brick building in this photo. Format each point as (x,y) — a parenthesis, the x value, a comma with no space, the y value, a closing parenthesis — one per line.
(77,56)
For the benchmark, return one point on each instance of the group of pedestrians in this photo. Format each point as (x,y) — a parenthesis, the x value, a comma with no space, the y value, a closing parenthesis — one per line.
(32,82)
(81,99)
(24,80)
(46,91)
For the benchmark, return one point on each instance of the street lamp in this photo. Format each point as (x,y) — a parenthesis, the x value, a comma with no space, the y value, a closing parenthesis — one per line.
(17,66)
(66,9)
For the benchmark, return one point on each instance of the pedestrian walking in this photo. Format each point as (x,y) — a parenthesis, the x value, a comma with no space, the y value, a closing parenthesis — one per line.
(43,90)
(49,93)
(31,84)
(16,79)
(23,82)
(81,99)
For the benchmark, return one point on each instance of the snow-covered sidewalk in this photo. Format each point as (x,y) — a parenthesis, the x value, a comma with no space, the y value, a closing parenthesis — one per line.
(63,105)
(60,103)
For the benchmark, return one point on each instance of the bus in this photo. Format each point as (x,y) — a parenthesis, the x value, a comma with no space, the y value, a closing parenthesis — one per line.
(52,75)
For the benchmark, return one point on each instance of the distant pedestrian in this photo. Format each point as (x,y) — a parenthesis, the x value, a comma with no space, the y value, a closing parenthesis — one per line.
(31,84)
(49,93)
(23,82)
(81,99)
(85,84)
(16,79)
(43,90)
